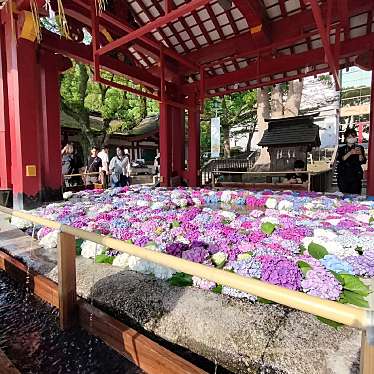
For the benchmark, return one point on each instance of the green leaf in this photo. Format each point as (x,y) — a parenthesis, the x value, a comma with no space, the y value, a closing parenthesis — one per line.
(349,297)
(331,323)
(359,250)
(338,277)
(268,228)
(245,256)
(355,284)
(217,289)
(264,301)
(304,267)
(128,241)
(104,259)
(181,280)
(78,249)
(371,219)
(176,224)
(302,249)
(317,251)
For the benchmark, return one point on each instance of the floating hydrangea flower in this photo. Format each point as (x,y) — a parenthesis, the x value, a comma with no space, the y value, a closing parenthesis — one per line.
(331,262)
(280,271)
(203,283)
(319,282)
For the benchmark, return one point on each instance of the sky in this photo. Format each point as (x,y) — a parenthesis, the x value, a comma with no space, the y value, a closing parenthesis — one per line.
(356,77)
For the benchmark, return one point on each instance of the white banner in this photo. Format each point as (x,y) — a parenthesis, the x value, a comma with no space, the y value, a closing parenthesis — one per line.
(215,136)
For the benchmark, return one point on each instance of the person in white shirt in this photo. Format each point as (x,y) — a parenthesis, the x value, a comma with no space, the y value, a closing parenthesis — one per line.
(118,167)
(104,155)
(127,170)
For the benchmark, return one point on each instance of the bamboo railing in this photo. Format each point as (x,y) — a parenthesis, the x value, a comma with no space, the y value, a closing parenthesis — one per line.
(342,313)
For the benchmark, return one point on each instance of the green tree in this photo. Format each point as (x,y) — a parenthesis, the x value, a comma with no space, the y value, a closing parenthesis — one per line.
(238,117)
(119,110)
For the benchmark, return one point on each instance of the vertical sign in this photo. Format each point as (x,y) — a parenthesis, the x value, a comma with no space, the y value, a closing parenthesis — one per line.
(215,136)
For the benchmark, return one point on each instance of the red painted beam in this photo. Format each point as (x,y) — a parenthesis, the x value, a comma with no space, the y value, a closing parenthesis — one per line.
(83,53)
(325,38)
(281,64)
(159,22)
(25,4)
(293,27)
(255,14)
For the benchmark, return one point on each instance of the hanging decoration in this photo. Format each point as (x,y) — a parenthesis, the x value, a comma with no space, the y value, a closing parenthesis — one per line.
(35,20)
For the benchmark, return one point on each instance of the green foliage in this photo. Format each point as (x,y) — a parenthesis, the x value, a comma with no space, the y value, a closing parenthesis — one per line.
(264,301)
(268,228)
(78,243)
(104,259)
(217,289)
(304,267)
(237,113)
(317,251)
(354,284)
(81,96)
(349,297)
(181,280)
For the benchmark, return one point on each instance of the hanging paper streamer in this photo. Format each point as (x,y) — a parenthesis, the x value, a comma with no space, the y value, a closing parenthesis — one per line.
(215,136)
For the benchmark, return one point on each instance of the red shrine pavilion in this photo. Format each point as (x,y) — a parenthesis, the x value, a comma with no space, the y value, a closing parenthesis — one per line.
(180,51)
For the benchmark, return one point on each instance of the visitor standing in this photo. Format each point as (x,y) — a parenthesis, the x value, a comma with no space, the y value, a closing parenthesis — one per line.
(94,165)
(127,167)
(104,155)
(69,165)
(117,167)
(350,157)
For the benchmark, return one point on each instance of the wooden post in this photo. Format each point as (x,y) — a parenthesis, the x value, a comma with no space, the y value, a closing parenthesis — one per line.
(67,280)
(367,356)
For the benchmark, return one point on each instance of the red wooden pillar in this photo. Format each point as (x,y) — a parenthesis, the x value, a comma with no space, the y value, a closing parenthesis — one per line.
(51,66)
(370,171)
(178,134)
(5,152)
(193,144)
(165,145)
(24,117)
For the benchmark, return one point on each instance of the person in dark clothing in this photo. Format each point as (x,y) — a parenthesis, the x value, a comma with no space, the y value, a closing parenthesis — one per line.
(350,157)
(94,165)
(297,178)
(69,165)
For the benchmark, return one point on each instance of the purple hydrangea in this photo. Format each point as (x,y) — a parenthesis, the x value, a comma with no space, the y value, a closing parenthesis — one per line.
(247,268)
(318,282)
(281,272)
(176,249)
(196,254)
(362,265)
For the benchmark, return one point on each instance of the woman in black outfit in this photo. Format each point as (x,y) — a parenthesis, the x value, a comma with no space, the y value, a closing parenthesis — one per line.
(350,157)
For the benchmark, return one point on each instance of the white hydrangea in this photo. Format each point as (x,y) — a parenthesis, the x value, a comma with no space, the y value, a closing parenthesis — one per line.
(157,205)
(50,240)
(323,233)
(20,223)
(91,249)
(362,217)
(226,196)
(228,215)
(162,272)
(285,205)
(333,221)
(67,195)
(196,201)
(273,220)
(182,239)
(142,203)
(121,260)
(271,203)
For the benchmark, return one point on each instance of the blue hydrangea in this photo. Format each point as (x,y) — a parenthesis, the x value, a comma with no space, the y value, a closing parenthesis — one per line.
(333,263)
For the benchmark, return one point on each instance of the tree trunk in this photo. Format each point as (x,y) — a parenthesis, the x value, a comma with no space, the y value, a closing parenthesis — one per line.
(276,102)
(250,137)
(263,112)
(292,105)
